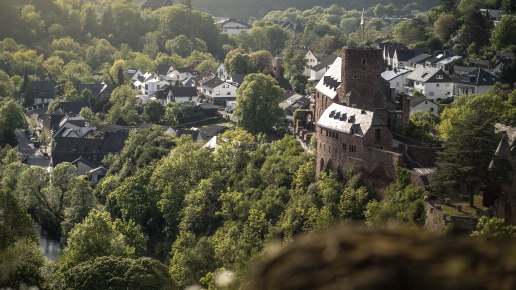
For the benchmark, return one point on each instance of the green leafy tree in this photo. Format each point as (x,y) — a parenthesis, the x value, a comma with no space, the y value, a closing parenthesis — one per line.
(260,60)
(504,33)
(293,62)
(257,104)
(445,26)
(494,228)
(114,272)
(11,118)
(153,112)
(95,237)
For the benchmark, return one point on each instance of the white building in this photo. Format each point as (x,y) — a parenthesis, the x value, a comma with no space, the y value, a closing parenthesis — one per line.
(318,71)
(396,79)
(471,81)
(233,26)
(423,104)
(431,82)
(153,84)
(311,61)
(180,74)
(218,91)
(221,72)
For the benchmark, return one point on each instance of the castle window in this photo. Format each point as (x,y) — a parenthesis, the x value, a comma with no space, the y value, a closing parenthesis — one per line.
(363,61)
(377,134)
(343,146)
(352,148)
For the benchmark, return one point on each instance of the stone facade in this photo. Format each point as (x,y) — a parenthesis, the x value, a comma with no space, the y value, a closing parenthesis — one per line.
(361,81)
(361,96)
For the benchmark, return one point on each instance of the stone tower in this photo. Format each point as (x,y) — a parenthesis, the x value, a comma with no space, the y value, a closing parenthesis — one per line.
(361,81)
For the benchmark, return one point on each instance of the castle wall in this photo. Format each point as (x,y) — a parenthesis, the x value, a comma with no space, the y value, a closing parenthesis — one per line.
(321,103)
(348,152)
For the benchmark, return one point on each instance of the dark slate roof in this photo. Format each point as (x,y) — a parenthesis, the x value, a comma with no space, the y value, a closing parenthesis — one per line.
(100,90)
(457,69)
(478,77)
(212,82)
(481,62)
(184,91)
(238,78)
(422,58)
(405,54)
(154,4)
(505,55)
(163,69)
(211,131)
(43,89)
(302,103)
(414,101)
(71,107)
(325,62)
(93,150)
(130,72)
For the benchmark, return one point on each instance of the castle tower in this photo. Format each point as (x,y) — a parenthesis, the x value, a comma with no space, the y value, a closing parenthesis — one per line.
(361,82)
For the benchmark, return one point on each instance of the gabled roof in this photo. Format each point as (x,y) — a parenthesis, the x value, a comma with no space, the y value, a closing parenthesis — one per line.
(94,150)
(325,62)
(392,74)
(43,89)
(429,75)
(222,23)
(71,107)
(422,58)
(211,131)
(478,77)
(405,54)
(163,69)
(449,59)
(345,119)
(183,91)
(331,80)
(212,82)
(414,101)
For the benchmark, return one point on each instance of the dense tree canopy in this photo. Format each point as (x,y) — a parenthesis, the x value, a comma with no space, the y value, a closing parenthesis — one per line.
(257,108)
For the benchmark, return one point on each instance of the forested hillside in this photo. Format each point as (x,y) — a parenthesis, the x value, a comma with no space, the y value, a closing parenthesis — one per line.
(244,9)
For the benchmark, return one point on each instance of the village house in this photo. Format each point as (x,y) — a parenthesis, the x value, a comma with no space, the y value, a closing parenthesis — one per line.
(396,79)
(164,69)
(180,74)
(311,60)
(152,84)
(293,102)
(470,81)
(99,91)
(431,82)
(318,71)
(233,26)
(217,91)
(133,74)
(447,63)
(42,92)
(418,61)
(401,57)
(388,49)
(423,104)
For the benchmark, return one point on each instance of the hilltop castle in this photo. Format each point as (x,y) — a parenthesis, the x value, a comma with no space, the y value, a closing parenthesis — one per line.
(351,117)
